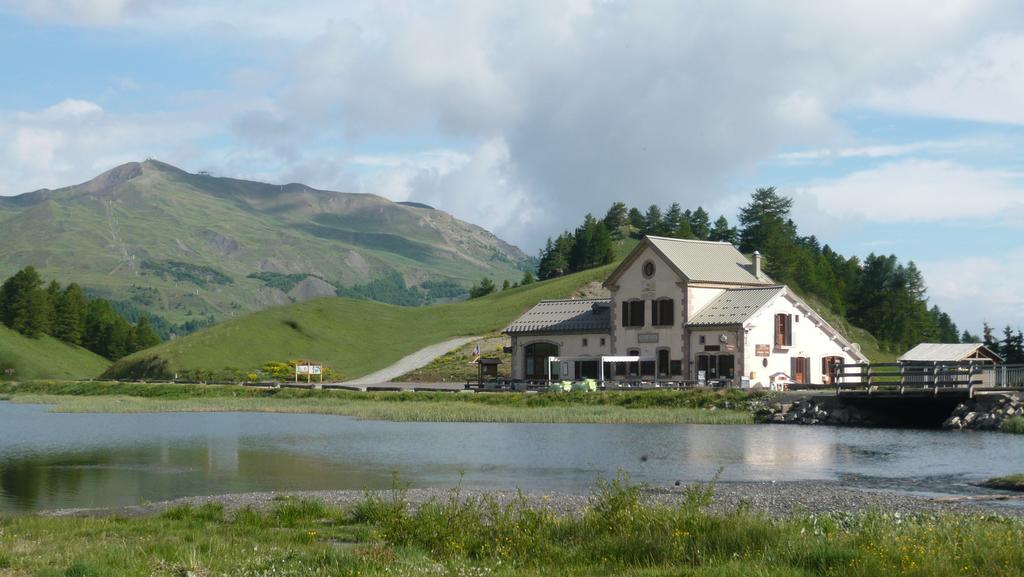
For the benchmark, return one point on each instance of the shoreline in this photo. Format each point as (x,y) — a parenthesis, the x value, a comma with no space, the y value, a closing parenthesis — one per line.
(772,499)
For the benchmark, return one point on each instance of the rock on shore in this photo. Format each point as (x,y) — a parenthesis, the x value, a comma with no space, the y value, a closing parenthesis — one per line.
(984,413)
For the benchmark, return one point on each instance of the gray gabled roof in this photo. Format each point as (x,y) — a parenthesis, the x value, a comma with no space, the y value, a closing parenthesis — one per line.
(698,261)
(944,352)
(565,316)
(735,306)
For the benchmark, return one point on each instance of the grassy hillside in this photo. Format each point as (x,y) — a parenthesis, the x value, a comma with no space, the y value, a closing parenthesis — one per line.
(353,337)
(46,358)
(185,246)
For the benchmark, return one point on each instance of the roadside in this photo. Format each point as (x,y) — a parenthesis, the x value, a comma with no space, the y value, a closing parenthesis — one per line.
(411,362)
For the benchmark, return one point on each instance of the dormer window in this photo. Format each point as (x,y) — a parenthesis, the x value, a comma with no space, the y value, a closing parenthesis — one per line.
(783,330)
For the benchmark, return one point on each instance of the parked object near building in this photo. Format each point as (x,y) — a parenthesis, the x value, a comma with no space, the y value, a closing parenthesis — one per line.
(682,311)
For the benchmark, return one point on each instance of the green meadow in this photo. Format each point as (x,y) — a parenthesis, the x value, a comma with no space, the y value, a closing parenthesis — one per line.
(352,337)
(674,407)
(45,358)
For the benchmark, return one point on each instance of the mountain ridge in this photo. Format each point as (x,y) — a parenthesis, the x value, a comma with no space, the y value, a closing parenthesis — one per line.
(195,239)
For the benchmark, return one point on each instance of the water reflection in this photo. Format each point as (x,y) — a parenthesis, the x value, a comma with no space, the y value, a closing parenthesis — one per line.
(51,460)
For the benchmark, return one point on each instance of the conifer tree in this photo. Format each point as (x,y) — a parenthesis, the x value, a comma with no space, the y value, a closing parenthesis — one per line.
(654,224)
(24,306)
(636,219)
(700,224)
(722,232)
(616,218)
(69,315)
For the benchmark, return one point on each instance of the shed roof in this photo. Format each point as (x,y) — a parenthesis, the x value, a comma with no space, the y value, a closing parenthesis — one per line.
(947,352)
(565,316)
(735,306)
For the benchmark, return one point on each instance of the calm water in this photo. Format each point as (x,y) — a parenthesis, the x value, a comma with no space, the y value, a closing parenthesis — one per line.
(53,460)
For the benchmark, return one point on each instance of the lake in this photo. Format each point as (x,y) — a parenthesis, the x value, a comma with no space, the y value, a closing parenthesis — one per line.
(54,460)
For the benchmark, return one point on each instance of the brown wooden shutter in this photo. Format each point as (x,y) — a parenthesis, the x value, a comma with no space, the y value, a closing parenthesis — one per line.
(780,330)
(625,313)
(789,330)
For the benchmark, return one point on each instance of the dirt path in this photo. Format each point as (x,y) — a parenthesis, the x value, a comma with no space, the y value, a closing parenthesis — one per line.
(412,362)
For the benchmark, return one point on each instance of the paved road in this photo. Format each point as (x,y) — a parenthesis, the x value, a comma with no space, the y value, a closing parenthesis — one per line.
(412,362)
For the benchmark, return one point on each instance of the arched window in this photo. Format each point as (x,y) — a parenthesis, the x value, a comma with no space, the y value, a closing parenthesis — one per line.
(535,357)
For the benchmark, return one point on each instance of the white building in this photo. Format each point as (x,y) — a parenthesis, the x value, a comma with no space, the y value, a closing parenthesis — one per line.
(682,310)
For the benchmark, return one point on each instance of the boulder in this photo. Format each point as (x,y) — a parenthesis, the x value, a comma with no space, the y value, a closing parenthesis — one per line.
(952,423)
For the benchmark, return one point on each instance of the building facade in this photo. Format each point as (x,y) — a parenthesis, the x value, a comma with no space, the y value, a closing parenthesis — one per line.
(683,310)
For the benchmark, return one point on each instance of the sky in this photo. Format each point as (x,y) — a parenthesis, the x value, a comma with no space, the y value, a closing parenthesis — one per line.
(896,127)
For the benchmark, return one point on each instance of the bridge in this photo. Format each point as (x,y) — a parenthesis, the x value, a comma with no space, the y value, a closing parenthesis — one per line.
(914,395)
(903,379)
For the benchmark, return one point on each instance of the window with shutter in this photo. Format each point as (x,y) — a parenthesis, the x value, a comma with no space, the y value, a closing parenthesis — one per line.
(636,313)
(662,312)
(783,330)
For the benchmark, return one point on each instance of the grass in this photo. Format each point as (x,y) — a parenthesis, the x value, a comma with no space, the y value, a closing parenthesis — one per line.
(1009,483)
(618,534)
(46,358)
(1013,425)
(706,407)
(353,337)
(458,366)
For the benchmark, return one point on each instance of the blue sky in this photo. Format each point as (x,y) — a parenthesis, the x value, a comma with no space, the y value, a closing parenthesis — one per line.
(896,131)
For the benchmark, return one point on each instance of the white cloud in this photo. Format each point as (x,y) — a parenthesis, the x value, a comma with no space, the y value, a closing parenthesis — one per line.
(36,148)
(588,101)
(73,140)
(874,151)
(985,83)
(95,12)
(919,190)
(977,289)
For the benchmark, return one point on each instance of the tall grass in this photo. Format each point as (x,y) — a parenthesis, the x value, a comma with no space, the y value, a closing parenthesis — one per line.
(620,532)
(1013,425)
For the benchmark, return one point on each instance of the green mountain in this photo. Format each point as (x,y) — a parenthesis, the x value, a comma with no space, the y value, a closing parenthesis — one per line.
(45,358)
(187,246)
(352,337)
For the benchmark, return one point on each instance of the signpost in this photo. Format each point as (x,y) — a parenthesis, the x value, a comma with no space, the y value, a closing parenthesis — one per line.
(308,369)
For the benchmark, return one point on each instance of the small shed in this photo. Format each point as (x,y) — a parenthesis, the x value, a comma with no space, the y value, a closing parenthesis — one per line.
(943,353)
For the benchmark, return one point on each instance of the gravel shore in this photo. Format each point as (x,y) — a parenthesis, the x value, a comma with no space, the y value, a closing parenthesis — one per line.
(773,499)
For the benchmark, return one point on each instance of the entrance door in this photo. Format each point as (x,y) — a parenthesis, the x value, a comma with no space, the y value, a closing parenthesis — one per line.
(536,361)
(801,370)
(663,362)
(726,367)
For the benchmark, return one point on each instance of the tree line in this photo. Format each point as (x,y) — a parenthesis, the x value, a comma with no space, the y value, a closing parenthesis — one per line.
(1010,347)
(35,308)
(880,294)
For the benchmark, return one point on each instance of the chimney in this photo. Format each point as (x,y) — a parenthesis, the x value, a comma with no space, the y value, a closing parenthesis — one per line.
(757,264)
